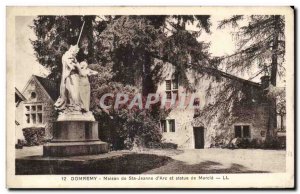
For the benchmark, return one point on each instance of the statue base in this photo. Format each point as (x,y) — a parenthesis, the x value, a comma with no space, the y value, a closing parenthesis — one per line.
(76,116)
(63,149)
(75,138)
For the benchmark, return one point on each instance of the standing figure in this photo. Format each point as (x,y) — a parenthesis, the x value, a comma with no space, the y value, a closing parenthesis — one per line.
(74,99)
(84,84)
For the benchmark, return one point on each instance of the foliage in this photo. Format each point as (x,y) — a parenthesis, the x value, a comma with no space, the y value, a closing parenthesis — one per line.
(128,43)
(244,143)
(275,144)
(122,127)
(20,144)
(261,41)
(163,145)
(34,135)
(122,49)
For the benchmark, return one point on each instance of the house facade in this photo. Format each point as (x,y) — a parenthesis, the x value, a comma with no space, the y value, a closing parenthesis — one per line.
(196,128)
(36,107)
(187,127)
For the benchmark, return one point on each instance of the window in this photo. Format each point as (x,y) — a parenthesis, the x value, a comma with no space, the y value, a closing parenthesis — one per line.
(39,107)
(168,125)
(33,95)
(40,118)
(34,114)
(172,88)
(175,84)
(168,84)
(196,107)
(242,131)
(171,125)
(246,131)
(163,125)
(27,118)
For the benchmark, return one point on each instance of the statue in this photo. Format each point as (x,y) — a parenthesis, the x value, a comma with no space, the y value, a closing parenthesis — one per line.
(75,132)
(74,100)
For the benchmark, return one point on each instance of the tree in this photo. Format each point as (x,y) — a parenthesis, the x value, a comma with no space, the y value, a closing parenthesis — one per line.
(123,49)
(54,36)
(135,41)
(261,42)
(122,127)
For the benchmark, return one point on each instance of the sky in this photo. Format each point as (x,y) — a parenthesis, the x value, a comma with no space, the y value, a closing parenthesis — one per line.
(221,43)
(26,63)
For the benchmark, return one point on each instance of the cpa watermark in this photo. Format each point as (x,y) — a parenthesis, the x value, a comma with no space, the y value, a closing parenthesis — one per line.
(129,101)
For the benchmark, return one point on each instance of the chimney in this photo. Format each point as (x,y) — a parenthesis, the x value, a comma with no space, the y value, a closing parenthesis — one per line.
(265,81)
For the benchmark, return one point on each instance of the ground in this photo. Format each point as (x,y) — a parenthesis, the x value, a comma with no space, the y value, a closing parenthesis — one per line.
(196,161)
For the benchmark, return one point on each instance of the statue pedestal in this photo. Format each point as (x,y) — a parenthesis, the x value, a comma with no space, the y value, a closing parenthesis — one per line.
(75,138)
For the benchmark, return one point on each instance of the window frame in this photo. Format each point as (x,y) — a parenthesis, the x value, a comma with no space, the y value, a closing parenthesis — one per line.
(173,82)
(242,128)
(167,126)
(35,109)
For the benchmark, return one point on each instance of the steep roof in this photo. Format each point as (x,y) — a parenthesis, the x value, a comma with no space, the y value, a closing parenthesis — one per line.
(19,94)
(49,85)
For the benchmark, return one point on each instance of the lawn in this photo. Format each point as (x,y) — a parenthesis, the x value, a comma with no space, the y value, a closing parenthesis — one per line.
(155,161)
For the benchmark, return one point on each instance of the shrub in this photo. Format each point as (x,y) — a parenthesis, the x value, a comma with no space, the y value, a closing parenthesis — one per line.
(20,144)
(274,143)
(128,129)
(155,145)
(124,128)
(244,143)
(34,135)
(255,143)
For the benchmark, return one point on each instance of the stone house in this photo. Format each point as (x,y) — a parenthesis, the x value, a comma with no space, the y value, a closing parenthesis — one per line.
(184,127)
(188,129)
(34,105)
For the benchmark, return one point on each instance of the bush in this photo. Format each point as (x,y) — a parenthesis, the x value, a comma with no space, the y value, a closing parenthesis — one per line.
(255,143)
(243,143)
(274,143)
(123,127)
(154,145)
(34,135)
(124,131)
(20,144)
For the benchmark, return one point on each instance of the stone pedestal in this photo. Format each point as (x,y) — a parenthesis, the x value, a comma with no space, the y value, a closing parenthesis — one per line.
(75,138)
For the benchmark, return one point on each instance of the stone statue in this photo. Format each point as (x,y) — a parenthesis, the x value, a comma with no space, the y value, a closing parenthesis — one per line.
(74,100)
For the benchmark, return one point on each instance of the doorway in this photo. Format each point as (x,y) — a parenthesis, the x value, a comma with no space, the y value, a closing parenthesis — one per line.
(199,137)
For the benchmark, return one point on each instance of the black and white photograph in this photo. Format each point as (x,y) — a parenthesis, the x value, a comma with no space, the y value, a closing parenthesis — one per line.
(199,97)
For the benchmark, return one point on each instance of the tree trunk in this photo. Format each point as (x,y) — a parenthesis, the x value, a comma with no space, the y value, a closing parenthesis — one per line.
(272,124)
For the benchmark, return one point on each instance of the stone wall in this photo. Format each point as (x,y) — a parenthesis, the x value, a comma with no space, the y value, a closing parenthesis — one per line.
(252,111)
